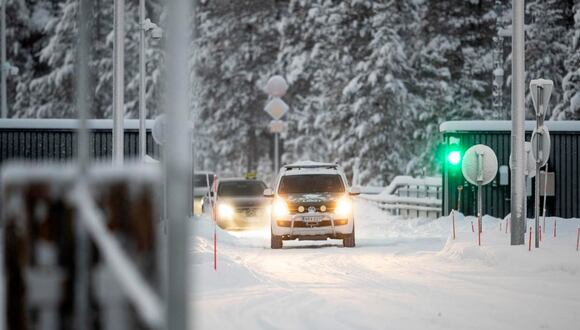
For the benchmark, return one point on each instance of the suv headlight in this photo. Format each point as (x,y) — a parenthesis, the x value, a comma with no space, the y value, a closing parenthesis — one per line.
(225,211)
(280,208)
(343,207)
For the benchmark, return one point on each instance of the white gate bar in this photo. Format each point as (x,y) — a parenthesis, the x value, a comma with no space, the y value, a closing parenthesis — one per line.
(146,302)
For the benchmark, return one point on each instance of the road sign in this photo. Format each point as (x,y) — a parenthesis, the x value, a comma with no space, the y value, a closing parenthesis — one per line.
(276,86)
(479,165)
(479,168)
(277,126)
(276,108)
(159,128)
(544,153)
(543,87)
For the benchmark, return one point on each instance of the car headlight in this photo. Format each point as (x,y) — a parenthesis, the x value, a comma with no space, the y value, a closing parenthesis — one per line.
(343,207)
(225,211)
(280,208)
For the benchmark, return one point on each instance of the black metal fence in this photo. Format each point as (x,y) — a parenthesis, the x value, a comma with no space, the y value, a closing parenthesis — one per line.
(56,139)
(564,163)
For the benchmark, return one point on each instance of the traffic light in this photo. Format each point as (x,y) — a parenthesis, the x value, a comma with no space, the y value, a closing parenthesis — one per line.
(454,154)
(454,157)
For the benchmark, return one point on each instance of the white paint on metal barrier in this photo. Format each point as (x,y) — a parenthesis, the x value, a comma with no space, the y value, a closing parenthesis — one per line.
(147,303)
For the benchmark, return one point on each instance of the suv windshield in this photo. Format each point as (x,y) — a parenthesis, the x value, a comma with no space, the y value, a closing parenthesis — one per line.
(313,183)
(241,188)
(201,180)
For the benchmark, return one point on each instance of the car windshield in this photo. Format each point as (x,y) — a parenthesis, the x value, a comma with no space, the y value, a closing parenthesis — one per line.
(241,188)
(314,183)
(201,180)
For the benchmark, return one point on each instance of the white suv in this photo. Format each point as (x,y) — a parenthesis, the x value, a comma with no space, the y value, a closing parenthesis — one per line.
(312,201)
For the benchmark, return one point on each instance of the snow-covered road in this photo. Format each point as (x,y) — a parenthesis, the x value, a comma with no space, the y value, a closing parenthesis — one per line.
(403,274)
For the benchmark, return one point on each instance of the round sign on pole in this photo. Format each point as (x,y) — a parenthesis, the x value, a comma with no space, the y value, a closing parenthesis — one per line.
(276,86)
(158,131)
(479,165)
(276,108)
(277,126)
(544,153)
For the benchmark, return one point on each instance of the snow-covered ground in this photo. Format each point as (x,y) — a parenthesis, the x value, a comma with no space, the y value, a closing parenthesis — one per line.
(403,274)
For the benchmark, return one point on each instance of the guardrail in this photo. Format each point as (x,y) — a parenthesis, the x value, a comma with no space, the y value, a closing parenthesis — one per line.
(81,252)
(410,197)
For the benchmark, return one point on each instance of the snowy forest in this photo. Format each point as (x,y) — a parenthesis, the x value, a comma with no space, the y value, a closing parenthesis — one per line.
(370,81)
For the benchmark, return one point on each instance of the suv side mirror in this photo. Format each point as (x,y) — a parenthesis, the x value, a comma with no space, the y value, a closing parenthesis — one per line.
(354,191)
(268,192)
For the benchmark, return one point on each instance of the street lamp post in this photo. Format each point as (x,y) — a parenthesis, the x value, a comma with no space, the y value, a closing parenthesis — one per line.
(156,33)
(3,66)
(118,81)
(142,113)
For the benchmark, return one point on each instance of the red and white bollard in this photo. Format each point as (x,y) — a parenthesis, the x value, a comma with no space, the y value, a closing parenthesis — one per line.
(530,240)
(214,248)
(507,224)
(453,221)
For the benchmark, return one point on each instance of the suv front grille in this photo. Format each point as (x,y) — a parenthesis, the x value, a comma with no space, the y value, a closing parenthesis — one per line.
(294,208)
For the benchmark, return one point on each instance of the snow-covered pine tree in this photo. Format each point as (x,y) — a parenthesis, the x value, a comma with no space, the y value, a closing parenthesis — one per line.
(569,107)
(547,45)
(52,91)
(235,54)
(25,36)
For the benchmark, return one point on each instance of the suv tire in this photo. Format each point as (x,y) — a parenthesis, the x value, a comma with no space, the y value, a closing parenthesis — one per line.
(275,242)
(349,241)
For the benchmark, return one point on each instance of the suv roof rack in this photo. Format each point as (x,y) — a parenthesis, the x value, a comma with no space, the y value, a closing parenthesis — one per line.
(310,165)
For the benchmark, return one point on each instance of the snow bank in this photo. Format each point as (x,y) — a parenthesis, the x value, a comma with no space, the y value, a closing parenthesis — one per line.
(555,254)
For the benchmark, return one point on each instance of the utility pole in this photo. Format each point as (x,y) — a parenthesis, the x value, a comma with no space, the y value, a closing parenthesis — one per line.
(118,81)
(518,125)
(83,247)
(3,65)
(178,161)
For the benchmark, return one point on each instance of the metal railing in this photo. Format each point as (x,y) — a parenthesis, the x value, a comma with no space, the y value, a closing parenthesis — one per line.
(410,197)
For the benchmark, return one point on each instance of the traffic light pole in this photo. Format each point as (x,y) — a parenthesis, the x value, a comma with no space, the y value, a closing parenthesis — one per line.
(518,123)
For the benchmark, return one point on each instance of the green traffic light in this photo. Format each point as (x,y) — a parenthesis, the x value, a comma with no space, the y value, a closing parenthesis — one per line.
(454,157)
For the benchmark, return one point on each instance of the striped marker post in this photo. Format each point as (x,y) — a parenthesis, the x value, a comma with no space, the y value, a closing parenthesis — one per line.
(530,240)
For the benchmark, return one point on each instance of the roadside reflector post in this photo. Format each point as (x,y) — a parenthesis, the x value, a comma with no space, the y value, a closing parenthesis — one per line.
(530,240)
(578,240)
(453,221)
(554,228)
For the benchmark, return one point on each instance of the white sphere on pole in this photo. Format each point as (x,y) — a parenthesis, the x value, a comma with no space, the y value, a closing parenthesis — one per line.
(276,86)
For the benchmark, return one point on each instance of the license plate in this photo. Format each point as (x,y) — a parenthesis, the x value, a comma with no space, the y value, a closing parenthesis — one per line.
(250,213)
(311,219)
